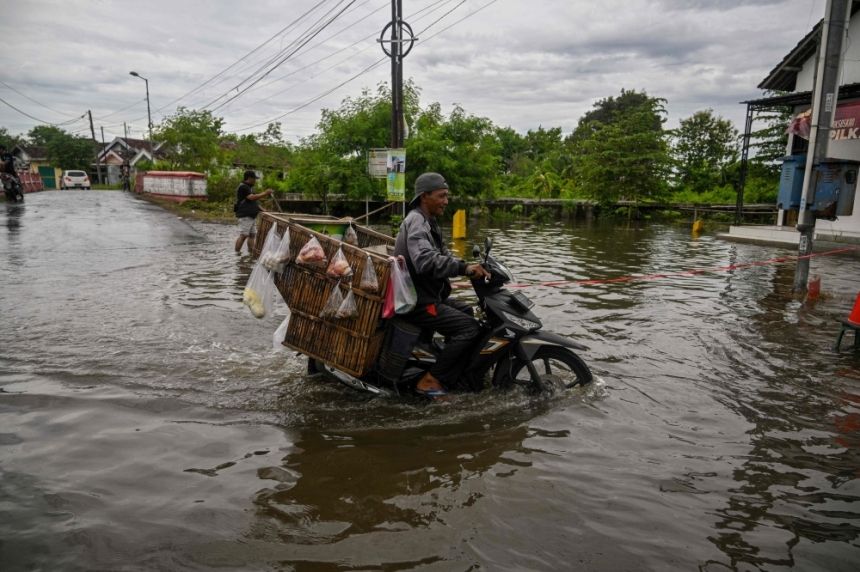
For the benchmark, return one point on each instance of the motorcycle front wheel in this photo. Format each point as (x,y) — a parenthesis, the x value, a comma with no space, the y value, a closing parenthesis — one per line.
(559,369)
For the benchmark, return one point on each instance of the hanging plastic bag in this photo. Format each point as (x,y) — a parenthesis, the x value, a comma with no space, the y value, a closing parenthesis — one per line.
(388,301)
(350,236)
(339,267)
(268,254)
(282,254)
(259,293)
(280,333)
(369,282)
(347,308)
(312,254)
(332,305)
(405,296)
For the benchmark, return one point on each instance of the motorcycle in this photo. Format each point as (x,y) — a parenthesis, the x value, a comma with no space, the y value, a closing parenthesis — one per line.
(12,188)
(512,351)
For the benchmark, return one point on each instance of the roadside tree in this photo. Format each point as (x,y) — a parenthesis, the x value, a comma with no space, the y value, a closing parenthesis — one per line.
(703,146)
(191,139)
(63,149)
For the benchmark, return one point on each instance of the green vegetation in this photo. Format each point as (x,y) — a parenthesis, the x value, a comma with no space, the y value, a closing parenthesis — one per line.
(620,151)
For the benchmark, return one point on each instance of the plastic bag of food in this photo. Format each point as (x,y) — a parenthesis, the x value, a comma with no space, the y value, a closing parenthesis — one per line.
(332,305)
(405,296)
(282,254)
(347,308)
(339,267)
(268,254)
(259,293)
(312,254)
(350,236)
(369,282)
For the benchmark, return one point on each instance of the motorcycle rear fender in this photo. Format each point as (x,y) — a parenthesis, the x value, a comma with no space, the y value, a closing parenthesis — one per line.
(531,343)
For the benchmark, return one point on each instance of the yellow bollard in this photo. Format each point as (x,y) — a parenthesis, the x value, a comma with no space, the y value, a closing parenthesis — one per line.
(459,230)
(698,226)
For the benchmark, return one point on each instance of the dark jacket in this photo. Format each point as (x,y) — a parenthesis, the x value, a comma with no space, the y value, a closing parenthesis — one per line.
(430,263)
(245,207)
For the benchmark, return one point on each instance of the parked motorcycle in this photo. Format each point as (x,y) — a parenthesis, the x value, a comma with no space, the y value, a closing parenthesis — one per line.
(512,350)
(12,188)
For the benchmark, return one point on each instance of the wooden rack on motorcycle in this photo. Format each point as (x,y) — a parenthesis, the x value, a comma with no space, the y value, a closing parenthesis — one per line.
(350,344)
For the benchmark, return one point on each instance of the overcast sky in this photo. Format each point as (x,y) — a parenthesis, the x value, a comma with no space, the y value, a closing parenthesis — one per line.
(521,63)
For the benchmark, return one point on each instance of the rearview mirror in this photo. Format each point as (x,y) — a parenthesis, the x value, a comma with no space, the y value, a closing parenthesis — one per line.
(488,244)
(476,251)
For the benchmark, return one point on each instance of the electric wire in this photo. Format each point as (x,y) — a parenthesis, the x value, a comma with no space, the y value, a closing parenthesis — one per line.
(285,58)
(367,69)
(434,7)
(34,101)
(24,113)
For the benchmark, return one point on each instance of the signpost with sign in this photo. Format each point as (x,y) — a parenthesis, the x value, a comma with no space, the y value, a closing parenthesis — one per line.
(396,174)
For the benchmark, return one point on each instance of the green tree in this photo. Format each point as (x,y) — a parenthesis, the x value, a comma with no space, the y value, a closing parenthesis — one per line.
(63,149)
(703,146)
(462,147)
(624,154)
(8,140)
(191,139)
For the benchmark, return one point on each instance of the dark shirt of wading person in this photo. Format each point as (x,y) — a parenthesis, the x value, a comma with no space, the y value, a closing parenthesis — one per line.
(430,265)
(7,162)
(247,209)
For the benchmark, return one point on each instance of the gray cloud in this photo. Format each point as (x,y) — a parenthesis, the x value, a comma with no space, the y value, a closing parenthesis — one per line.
(520,63)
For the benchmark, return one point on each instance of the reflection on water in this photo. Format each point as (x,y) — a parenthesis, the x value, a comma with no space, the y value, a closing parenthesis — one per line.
(146,423)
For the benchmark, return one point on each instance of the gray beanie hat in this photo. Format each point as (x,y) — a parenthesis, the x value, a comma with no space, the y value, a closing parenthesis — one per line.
(427,183)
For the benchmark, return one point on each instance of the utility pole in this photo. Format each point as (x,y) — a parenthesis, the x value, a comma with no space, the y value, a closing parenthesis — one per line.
(824,99)
(102,127)
(396,52)
(98,152)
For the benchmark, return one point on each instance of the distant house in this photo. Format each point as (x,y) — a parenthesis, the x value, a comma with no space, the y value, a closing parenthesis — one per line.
(35,160)
(793,77)
(125,151)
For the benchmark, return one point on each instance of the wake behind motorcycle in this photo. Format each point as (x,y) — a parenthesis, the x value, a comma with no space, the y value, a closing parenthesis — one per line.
(512,350)
(12,188)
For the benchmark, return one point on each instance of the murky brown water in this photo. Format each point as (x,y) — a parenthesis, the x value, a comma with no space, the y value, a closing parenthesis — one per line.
(146,423)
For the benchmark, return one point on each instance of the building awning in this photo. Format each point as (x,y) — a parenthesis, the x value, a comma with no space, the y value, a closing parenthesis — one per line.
(800,98)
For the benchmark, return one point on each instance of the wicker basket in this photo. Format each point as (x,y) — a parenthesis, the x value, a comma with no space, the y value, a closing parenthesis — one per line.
(351,345)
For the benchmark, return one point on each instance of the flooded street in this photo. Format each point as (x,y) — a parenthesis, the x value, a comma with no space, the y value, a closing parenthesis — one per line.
(146,423)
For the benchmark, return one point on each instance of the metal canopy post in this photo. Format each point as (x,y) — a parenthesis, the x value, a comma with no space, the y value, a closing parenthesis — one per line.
(745,151)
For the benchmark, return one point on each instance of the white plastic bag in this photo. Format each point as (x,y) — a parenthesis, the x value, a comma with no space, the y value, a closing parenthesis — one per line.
(280,334)
(347,308)
(259,293)
(405,296)
(350,236)
(268,254)
(312,254)
(282,254)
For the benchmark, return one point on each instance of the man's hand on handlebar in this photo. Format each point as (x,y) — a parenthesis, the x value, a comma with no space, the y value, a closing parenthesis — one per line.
(477,271)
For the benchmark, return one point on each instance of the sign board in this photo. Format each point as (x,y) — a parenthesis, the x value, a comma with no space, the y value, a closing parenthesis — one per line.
(377,163)
(396,174)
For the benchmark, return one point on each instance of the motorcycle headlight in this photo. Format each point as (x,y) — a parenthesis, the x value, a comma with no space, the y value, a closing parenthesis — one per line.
(521,322)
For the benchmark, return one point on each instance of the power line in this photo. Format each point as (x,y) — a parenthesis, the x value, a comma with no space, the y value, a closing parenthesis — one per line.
(241,59)
(369,68)
(24,113)
(33,100)
(285,58)
(120,110)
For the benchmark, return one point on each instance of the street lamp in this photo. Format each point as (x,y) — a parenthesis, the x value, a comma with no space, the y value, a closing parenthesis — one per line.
(148,115)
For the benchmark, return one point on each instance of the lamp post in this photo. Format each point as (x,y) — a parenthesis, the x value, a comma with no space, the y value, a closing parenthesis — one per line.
(148,114)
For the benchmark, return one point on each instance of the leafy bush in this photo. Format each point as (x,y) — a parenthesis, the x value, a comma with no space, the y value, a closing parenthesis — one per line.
(221,186)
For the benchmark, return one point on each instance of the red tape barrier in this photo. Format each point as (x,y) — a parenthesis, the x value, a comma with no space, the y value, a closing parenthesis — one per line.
(683,274)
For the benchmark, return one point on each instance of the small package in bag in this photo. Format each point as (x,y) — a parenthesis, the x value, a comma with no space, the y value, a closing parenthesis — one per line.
(350,236)
(404,294)
(259,293)
(268,254)
(339,267)
(332,305)
(369,282)
(347,309)
(312,254)
(282,254)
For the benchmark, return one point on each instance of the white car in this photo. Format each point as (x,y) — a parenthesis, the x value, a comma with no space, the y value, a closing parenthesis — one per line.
(75,180)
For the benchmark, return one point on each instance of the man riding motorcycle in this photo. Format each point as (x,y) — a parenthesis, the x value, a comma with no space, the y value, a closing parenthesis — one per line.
(7,168)
(430,264)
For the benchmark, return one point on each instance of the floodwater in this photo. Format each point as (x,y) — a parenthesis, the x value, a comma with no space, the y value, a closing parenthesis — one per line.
(146,423)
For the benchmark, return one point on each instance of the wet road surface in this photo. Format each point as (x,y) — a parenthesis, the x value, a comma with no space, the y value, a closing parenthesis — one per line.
(146,423)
